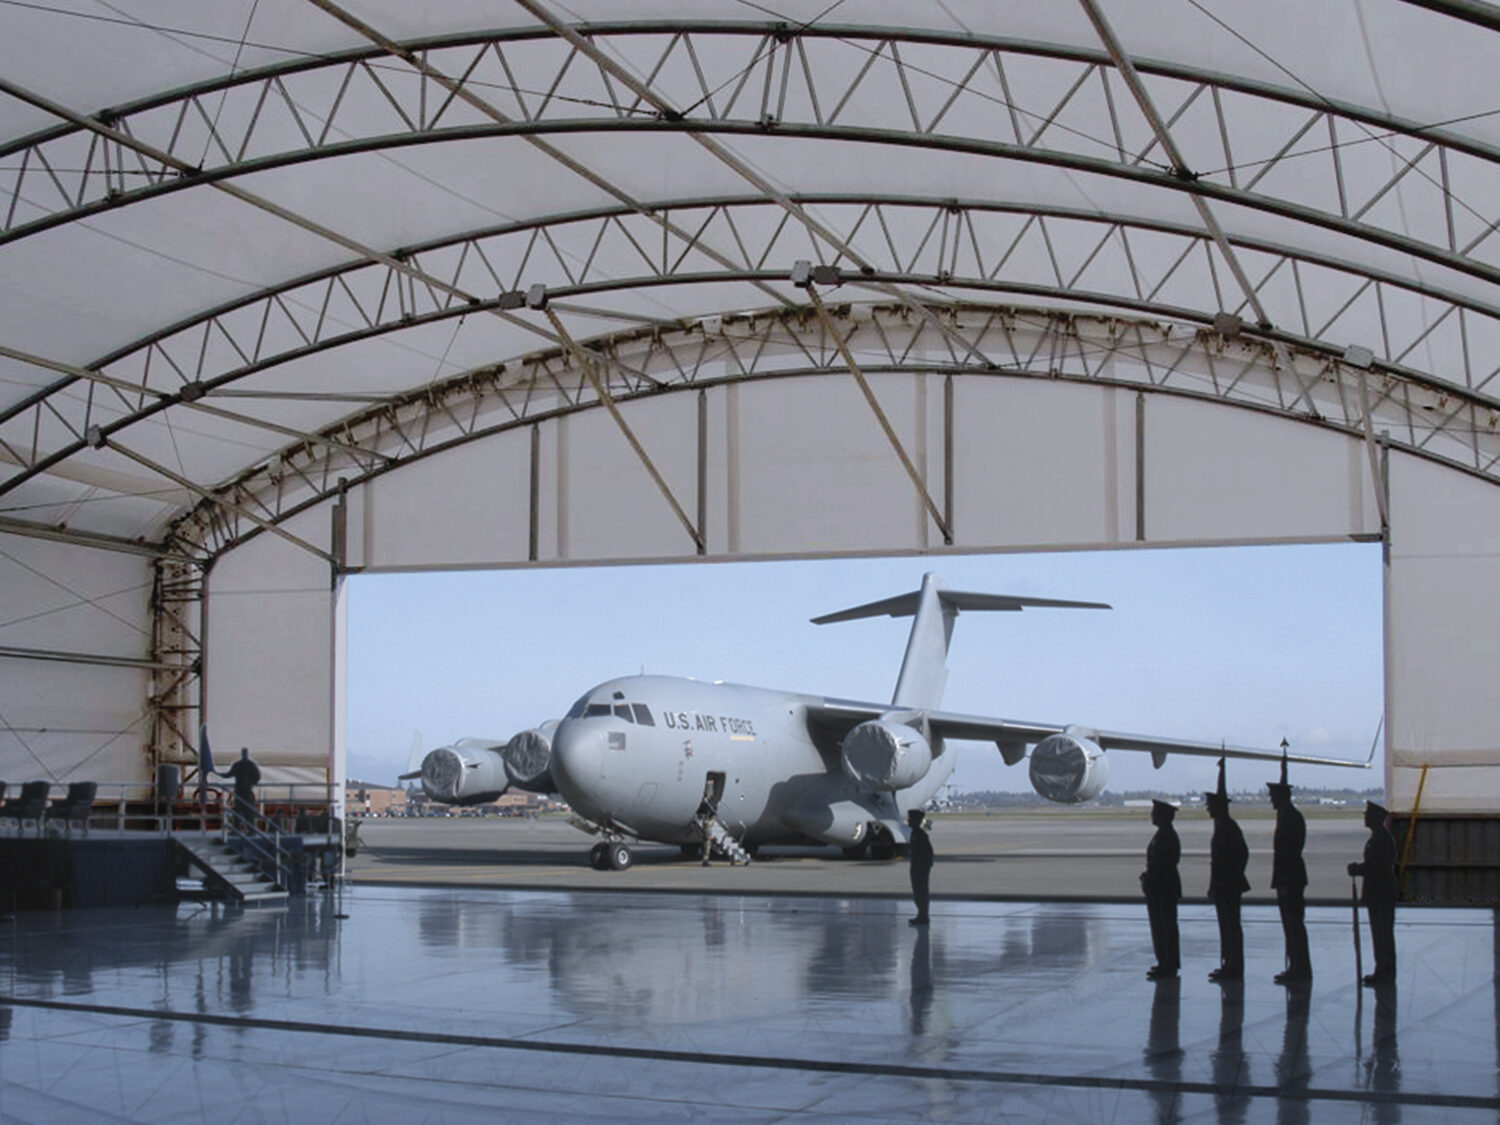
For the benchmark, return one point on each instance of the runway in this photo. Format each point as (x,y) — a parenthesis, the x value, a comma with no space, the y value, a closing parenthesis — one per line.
(414,1004)
(1051,853)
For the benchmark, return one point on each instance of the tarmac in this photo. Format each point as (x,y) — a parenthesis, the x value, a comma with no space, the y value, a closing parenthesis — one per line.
(1043,854)
(619,1002)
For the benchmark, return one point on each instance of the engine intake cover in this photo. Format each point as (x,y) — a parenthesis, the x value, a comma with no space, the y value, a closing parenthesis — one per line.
(528,757)
(882,756)
(1068,768)
(470,772)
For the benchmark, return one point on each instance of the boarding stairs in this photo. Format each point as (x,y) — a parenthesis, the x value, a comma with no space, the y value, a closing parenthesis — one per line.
(716,835)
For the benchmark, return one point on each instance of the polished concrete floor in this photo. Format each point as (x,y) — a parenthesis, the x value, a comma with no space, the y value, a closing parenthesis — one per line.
(407,1004)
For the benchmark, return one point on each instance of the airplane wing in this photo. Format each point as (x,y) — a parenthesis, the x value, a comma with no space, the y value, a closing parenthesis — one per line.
(1012,737)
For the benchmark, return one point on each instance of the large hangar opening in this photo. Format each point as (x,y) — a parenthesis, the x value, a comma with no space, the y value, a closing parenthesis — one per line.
(754,284)
(1249,645)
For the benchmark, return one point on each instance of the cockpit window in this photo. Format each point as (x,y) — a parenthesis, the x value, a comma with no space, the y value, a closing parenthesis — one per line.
(643,715)
(596,710)
(576,711)
(623,711)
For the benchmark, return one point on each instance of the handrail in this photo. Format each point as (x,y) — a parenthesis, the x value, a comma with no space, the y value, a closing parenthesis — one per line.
(264,846)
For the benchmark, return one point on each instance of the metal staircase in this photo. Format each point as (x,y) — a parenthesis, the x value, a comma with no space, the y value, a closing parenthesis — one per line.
(717,836)
(227,874)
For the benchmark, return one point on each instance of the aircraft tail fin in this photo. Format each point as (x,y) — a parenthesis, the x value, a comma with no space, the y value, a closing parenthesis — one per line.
(924,670)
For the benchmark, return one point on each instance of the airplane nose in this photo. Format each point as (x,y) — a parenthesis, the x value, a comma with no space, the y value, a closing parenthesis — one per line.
(577,761)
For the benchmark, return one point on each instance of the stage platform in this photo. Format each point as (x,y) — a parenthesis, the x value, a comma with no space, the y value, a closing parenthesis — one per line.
(112,868)
(456,1005)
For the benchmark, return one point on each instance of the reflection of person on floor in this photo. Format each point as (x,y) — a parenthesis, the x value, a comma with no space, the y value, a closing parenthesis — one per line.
(1163,1053)
(1293,1065)
(1163,887)
(1380,892)
(921,982)
(1289,878)
(1383,1067)
(921,864)
(1230,1063)
(1228,858)
(246,775)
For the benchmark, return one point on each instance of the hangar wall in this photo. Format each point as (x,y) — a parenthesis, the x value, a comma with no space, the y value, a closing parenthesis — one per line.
(1442,640)
(75,637)
(273,621)
(799,467)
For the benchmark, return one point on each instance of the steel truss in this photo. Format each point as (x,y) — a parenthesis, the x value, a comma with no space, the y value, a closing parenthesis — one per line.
(1322,388)
(1284,150)
(969,250)
(175,701)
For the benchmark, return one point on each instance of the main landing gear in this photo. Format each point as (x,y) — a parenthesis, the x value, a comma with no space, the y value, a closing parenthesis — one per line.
(610,856)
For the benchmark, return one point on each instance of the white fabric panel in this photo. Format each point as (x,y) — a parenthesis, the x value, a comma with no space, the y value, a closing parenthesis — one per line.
(66,721)
(1443,638)
(72,722)
(1238,476)
(1042,464)
(599,502)
(72,598)
(469,507)
(811,471)
(269,665)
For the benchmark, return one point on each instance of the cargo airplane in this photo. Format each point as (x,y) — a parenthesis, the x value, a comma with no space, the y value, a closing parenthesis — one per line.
(722,768)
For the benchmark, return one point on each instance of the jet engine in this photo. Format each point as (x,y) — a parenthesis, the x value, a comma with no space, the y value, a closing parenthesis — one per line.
(470,772)
(528,759)
(883,756)
(1069,767)
(841,823)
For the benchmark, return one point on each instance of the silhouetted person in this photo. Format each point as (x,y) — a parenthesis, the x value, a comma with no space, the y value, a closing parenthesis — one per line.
(1289,879)
(921,864)
(1163,887)
(246,775)
(1228,856)
(1380,892)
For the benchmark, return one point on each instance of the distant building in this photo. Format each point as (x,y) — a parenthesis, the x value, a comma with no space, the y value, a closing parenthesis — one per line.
(365,799)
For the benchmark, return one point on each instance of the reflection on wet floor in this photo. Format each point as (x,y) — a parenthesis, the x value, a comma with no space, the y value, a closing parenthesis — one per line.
(429,1005)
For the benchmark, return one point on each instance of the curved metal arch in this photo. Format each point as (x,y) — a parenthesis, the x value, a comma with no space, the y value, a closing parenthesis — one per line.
(170,177)
(172,385)
(1156,358)
(1285,209)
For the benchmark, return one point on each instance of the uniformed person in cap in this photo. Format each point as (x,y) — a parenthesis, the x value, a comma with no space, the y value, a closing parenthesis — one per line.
(921,864)
(1228,858)
(1163,888)
(1380,892)
(1289,878)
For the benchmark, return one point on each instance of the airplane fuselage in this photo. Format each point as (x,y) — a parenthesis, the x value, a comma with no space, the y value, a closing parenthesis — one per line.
(638,755)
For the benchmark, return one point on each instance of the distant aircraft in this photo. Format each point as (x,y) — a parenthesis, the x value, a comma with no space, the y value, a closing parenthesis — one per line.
(730,768)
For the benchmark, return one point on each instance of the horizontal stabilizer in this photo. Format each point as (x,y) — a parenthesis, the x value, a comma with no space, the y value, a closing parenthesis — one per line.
(904,605)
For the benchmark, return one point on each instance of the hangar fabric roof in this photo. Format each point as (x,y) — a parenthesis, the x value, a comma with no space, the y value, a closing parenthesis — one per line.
(250,249)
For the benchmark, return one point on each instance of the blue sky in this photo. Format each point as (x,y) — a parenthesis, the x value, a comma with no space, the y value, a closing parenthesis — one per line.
(1246,644)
